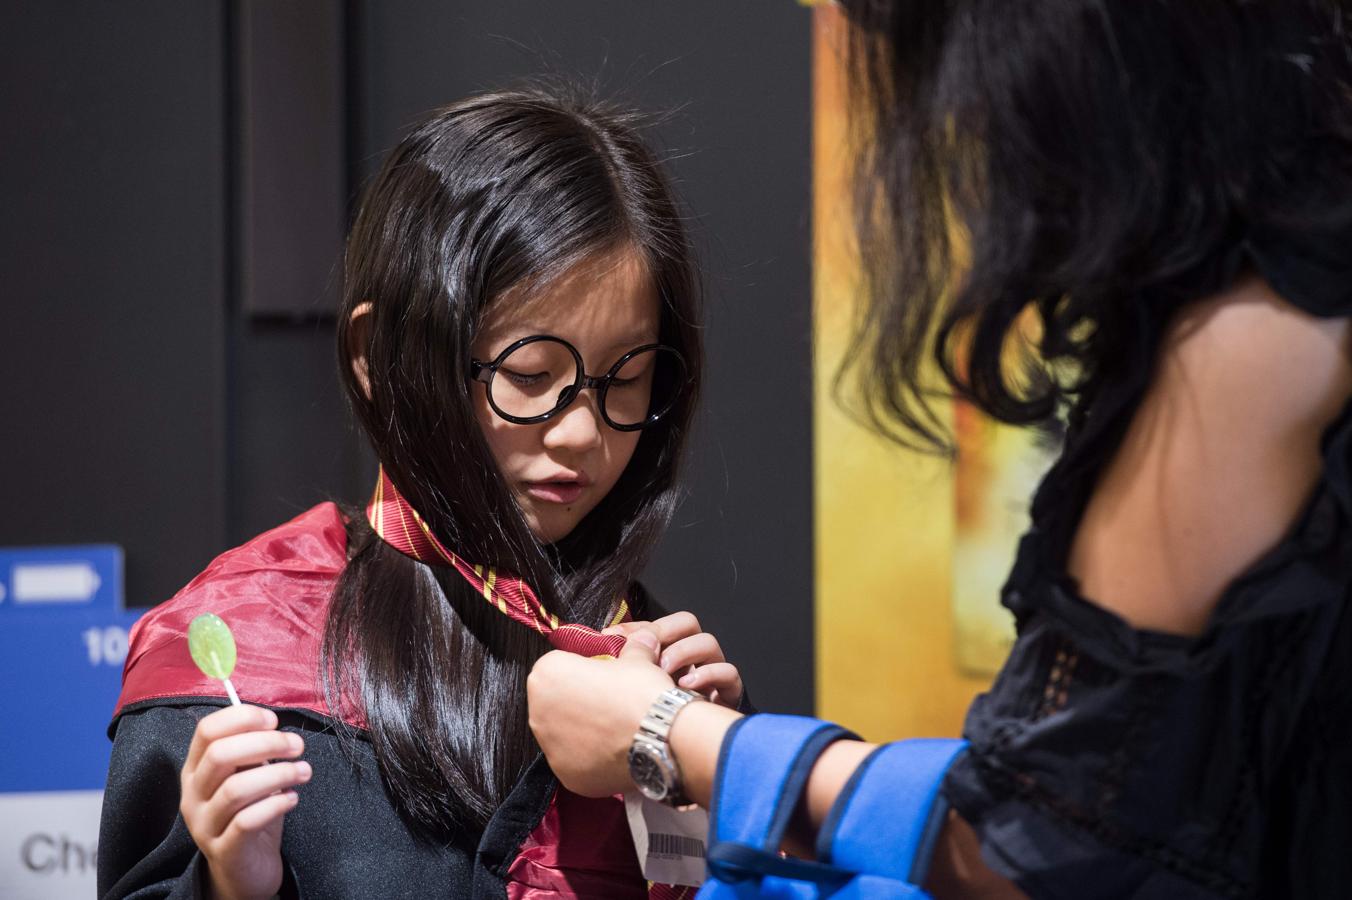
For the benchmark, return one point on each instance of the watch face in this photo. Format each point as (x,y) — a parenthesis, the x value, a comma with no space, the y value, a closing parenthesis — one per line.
(650,771)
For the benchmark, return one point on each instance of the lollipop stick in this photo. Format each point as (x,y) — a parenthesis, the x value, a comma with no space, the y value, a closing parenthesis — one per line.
(230,689)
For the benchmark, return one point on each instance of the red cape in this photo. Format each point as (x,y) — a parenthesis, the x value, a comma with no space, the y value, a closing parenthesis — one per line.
(274,594)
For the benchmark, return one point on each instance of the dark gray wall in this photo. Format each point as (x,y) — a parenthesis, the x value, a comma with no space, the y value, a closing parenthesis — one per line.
(170,243)
(113,272)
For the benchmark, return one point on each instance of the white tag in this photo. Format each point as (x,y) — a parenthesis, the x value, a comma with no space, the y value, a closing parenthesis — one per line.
(669,842)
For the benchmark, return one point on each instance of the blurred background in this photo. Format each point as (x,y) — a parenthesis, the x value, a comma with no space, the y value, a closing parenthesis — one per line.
(177,180)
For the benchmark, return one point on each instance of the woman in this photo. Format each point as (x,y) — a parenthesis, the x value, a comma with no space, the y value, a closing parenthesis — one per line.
(1165,188)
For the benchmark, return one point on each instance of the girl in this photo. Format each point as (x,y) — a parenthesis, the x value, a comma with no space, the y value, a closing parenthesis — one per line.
(1165,188)
(520,341)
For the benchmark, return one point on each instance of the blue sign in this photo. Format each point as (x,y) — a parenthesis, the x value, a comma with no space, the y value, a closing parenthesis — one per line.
(82,577)
(62,644)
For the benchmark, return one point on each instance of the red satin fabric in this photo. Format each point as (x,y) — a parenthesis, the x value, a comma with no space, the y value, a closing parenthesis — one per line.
(561,858)
(274,594)
(582,848)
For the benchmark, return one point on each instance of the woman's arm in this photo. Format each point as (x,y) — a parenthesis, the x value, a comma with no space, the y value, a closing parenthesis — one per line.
(956,869)
(585,711)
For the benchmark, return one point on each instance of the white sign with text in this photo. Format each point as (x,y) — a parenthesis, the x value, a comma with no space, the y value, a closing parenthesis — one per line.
(49,844)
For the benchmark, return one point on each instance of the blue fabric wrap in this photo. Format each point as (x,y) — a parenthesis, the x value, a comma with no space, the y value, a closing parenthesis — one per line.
(890,813)
(762,770)
(875,843)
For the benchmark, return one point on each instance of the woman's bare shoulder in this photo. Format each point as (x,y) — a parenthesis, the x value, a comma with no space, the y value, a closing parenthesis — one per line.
(1218,460)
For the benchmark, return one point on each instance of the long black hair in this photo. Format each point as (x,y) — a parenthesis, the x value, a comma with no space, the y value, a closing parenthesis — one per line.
(500,191)
(1070,162)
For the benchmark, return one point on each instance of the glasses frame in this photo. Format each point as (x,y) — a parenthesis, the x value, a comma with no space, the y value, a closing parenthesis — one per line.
(484,372)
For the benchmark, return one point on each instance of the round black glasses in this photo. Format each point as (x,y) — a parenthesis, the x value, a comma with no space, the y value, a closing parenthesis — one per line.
(537,377)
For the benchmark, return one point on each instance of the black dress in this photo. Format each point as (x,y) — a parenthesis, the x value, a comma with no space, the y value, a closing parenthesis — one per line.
(1113,762)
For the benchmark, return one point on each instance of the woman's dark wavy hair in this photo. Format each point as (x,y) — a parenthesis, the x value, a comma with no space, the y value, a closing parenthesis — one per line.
(500,191)
(1074,161)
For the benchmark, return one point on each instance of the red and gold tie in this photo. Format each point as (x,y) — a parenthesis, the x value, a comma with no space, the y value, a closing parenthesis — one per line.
(399,525)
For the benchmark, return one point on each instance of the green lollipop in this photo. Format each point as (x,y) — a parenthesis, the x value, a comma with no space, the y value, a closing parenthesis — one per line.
(213,649)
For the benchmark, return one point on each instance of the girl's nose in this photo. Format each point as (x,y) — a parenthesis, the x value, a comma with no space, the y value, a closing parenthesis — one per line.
(577,428)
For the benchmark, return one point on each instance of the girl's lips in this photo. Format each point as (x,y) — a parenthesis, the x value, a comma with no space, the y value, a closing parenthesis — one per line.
(555,491)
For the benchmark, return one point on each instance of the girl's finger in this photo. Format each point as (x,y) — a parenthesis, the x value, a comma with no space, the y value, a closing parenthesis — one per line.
(248,787)
(676,626)
(257,816)
(229,754)
(700,649)
(721,677)
(223,723)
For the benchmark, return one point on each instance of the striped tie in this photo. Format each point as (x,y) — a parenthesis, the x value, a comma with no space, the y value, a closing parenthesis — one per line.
(399,525)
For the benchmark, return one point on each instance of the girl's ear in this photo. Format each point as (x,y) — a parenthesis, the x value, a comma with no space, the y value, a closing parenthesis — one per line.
(358,340)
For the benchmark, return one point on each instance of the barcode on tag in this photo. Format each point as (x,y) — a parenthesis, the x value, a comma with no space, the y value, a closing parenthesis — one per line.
(669,842)
(674,845)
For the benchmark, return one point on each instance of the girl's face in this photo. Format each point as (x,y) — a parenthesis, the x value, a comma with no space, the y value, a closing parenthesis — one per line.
(560,469)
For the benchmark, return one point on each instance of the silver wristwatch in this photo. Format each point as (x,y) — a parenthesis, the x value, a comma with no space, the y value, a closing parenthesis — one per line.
(651,764)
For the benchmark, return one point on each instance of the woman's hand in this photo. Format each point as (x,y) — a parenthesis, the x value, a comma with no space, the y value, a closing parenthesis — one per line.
(692,657)
(584,712)
(233,799)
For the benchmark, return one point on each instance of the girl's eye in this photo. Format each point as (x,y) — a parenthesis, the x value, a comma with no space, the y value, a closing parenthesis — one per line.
(623,382)
(524,379)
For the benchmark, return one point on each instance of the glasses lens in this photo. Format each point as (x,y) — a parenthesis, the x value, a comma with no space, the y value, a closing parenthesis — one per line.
(533,379)
(645,387)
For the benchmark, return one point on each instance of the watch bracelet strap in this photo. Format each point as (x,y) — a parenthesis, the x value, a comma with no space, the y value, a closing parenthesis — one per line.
(655,727)
(658,719)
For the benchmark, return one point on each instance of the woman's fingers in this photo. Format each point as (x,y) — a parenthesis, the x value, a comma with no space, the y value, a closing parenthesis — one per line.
(246,788)
(223,757)
(698,649)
